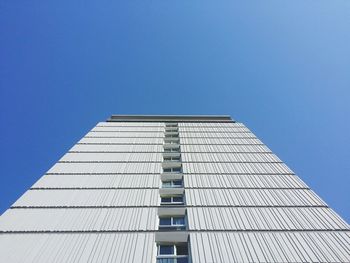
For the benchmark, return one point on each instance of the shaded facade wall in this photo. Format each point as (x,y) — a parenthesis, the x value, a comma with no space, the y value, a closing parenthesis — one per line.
(99,203)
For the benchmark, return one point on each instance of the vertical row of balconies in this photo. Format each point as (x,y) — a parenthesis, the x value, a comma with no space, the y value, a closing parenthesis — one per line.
(172,239)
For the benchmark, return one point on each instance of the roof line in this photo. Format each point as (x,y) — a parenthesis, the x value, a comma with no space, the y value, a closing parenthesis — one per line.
(169,118)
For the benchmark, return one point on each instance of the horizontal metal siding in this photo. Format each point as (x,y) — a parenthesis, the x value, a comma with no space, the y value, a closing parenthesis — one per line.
(210,124)
(242,180)
(80,219)
(77,247)
(99,181)
(251,197)
(124,134)
(229,157)
(88,140)
(130,124)
(236,168)
(89,198)
(285,247)
(217,135)
(127,129)
(112,157)
(224,148)
(266,218)
(252,141)
(116,148)
(228,129)
(105,168)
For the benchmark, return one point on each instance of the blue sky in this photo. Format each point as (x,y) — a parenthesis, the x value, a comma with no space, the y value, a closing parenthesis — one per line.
(280,67)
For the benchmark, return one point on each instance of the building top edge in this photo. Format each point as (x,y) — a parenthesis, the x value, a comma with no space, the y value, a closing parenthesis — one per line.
(170,118)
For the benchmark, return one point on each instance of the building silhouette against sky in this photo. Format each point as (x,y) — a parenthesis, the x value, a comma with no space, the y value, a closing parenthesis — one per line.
(171,189)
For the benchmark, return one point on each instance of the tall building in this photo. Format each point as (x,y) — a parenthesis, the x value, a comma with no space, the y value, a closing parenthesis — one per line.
(171,189)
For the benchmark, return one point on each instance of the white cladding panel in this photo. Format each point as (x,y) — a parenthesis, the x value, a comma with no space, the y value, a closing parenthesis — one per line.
(89,198)
(127,129)
(236,168)
(89,140)
(130,124)
(231,129)
(112,157)
(108,134)
(217,135)
(77,247)
(242,181)
(99,181)
(251,197)
(229,157)
(224,148)
(210,125)
(274,247)
(117,148)
(251,141)
(263,218)
(80,219)
(105,168)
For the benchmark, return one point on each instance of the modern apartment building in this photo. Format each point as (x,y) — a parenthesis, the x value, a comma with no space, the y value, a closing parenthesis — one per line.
(171,189)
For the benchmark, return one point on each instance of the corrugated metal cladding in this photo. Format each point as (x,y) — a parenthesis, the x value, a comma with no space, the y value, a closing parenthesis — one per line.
(89,198)
(209,140)
(281,247)
(236,168)
(100,202)
(96,247)
(127,141)
(94,219)
(111,134)
(215,148)
(230,157)
(243,181)
(252,197)
(121,148)
(112,157)
(106,168)
(99,181)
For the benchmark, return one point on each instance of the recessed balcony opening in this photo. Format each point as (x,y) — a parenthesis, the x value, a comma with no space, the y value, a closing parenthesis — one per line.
(172,200)
(171,129)
(171,124)
(172,170)
(172,158)
(172,223)
(171,140)
(172,149)
(171,135)
(172,253)
(172,184)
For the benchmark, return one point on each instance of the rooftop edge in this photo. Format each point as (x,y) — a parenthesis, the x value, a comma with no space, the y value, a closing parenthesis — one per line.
(169,118)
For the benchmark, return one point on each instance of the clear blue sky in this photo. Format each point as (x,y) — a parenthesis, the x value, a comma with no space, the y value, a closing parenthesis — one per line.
(280,67)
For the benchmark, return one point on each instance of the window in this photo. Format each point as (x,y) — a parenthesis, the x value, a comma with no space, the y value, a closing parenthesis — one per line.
(170,125)
(166,221)
(177,183)
(166,250)
(166,199)
(172,170)
(178,199)
(172,184)
(171,141)
(171,135)
(175,222)
(172,158)
(170,150)
(172,200)
(174,253)
(171,129)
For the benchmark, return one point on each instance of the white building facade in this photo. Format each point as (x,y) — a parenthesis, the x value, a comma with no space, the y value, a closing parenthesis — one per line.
(170,189)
